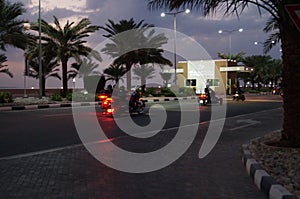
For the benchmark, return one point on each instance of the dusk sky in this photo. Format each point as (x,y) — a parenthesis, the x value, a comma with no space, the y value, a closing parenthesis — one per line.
(204,30)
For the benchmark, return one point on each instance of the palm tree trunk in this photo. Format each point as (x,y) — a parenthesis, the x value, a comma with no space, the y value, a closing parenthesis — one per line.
(43,86)
(128,76)
(291,88)
(64,63)
(143,83)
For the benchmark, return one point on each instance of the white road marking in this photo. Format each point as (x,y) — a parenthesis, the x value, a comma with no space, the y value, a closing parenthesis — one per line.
(249,122)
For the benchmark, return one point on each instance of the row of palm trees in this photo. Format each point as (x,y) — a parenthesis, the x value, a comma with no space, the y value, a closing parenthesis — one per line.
(266,70)
(131,44)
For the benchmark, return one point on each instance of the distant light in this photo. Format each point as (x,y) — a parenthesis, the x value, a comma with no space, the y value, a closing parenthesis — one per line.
(273,42)
(220,31)
(32,87)
(74,80)
(61,87)
(241,30)
(26,25)
(163,14)
(255,43)
(187,11)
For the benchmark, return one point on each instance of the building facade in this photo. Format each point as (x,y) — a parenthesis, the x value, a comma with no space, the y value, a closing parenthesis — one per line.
(221,75)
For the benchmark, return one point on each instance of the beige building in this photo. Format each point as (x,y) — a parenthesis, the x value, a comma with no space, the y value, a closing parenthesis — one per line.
(220,75)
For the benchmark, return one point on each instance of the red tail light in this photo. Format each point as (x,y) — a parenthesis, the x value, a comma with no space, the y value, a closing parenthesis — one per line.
(110,110)
(106,102)
(203,96)
(102,96)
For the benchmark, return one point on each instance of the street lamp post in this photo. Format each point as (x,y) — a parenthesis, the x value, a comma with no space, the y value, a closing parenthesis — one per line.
(229,53)
(230,33)
(163,14)
(40,55)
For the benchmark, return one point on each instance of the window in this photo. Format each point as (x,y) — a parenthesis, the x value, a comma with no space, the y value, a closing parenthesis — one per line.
(191,82)
(213,82)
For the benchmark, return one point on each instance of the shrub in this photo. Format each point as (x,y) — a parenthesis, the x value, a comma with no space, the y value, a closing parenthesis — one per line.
(56,97)
(151,91)
(79,96)
(187,91)
(265,89)
(252,91)
(69,96)
(167,92)
(5,97)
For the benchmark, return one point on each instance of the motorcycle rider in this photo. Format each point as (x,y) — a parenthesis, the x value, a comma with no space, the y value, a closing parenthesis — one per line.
(134,99)
(207,92)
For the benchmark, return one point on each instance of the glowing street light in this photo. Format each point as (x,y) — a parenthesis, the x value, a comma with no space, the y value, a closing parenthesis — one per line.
(74,81)
(163,14)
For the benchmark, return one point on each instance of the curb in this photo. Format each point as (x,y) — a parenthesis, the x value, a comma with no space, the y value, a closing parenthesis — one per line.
(271,188)
(166,99)
(45,106)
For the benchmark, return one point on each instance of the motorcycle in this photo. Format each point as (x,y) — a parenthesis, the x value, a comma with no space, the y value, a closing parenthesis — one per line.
(204,99)
(238,96)
(111,106)
(106,105)
(137,107)
(276,91)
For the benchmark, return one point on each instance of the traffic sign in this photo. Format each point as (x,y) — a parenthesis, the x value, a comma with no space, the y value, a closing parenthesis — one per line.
(294,12)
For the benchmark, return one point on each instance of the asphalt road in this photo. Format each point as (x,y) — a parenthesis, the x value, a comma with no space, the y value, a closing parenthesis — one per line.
(35,130)
(77,172)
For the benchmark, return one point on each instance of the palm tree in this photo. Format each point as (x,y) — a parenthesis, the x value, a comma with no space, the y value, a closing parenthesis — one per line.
(115,72)
(290,39)
(67,42)
(144,72)
(275,73)
(236,57)
(49,63)
(165,76)
(11,28)
(120,46)
(132,46)
(274,38)
(261,65)
(85,68)
(50,69)
(3,68)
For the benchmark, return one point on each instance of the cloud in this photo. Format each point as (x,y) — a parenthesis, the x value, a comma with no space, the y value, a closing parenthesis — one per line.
(202,29)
